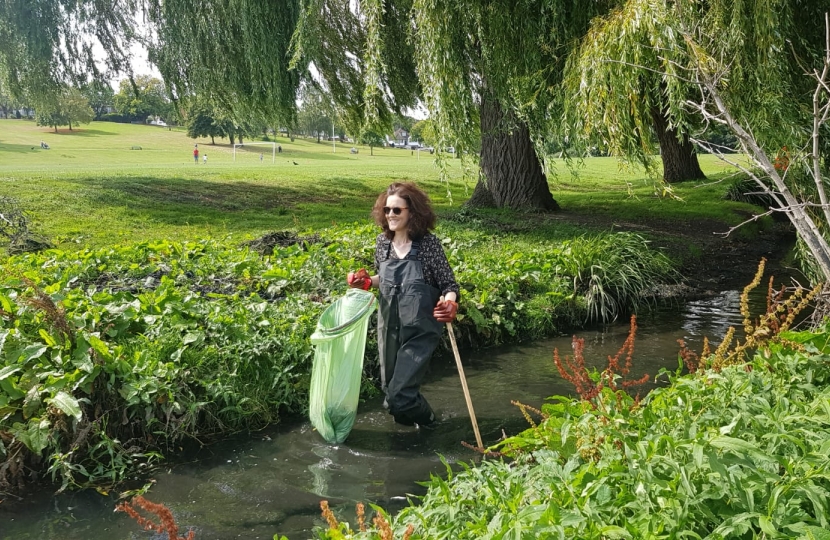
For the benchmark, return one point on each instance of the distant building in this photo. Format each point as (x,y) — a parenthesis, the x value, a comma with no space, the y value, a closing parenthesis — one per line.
(401,137)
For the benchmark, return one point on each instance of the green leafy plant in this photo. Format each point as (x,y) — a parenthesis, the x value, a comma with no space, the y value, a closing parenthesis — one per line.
(737,451)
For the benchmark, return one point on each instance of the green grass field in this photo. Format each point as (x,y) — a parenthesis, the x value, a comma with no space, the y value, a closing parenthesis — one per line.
(92,188)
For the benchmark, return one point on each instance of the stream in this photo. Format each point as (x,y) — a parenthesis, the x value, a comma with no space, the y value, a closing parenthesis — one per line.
(271,482)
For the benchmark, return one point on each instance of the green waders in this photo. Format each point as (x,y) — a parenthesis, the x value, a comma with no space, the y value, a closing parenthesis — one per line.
(407,336)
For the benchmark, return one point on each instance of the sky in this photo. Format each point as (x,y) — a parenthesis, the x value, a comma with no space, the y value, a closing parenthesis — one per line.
(141,66)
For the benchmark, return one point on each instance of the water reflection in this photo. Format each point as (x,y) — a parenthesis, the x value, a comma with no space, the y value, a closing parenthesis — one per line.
(272,481)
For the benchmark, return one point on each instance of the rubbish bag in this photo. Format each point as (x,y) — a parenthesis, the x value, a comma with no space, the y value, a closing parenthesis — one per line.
(339,342)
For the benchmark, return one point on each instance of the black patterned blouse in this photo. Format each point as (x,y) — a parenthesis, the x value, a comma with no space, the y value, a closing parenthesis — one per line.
(437,271)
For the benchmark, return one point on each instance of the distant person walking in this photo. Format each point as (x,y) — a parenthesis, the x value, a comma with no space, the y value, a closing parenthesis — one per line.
(196,153)
(260,157)
(279,149)
(205,158)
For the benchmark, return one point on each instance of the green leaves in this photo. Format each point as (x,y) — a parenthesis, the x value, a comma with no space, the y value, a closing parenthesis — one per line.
(8,371)
(713,455)
(34,434)
(67,405)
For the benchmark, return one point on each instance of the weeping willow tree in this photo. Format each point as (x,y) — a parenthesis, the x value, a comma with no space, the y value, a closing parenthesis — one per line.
(231,52)
(47,44)
(759,68)
(489,71)
(253,57)
(362,55)
(631,78)
(620,99)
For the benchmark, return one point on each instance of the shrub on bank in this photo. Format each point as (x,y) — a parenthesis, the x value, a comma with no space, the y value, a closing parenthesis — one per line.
(739,452)
(110,357)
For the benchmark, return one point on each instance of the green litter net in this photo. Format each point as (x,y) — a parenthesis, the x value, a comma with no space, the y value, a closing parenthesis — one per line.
(339,343)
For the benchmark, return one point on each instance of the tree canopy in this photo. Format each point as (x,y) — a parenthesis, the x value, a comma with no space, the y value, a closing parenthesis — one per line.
(141,97)
(490,73)
(647,54)
(233,52)
(69,107)
(46,44)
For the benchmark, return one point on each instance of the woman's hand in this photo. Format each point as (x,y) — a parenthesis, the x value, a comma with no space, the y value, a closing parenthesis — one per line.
(445,311)
(359,280)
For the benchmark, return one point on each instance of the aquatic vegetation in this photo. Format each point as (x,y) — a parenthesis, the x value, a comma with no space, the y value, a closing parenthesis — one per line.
(613,377)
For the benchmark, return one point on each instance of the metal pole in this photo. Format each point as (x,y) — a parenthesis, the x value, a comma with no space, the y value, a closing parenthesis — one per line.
(464,385)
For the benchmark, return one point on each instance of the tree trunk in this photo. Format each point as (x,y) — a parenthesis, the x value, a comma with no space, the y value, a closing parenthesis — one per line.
(70,125)
(212,142)
(512,176)
(678,155)
(231,137)
(240,139)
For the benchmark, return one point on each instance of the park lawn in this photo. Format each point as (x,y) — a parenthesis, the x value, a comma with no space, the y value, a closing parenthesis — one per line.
(605,185)
(91,189)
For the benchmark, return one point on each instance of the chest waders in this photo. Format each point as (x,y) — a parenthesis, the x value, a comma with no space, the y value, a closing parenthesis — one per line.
(407,335)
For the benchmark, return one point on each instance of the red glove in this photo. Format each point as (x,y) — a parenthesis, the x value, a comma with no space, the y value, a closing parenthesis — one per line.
(359,280)
(445,311)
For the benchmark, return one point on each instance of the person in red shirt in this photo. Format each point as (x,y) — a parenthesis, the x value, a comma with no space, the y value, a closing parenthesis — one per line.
(196,153)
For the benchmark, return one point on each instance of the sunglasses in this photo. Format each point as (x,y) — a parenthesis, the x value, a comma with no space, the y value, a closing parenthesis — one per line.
(394,210)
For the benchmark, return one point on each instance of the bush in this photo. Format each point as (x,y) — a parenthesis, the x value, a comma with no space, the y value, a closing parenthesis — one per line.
(115,117)
(735,453)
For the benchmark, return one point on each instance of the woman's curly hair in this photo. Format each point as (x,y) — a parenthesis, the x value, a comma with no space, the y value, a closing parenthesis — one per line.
(421,216)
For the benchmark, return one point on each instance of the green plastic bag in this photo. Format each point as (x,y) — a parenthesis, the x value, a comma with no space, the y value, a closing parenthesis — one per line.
(339,342)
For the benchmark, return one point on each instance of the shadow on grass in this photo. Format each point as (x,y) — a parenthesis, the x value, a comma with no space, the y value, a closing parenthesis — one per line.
(81,132)
(20,148)
(183,201)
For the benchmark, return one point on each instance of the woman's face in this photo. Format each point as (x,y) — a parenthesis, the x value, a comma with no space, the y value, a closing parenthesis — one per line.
(397,222)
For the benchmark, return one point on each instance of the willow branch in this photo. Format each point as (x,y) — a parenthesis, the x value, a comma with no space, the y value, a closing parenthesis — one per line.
(774,194)
(750,220)
(818,121)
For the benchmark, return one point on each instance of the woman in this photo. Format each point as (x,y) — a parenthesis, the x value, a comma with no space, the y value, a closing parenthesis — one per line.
(413,275)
